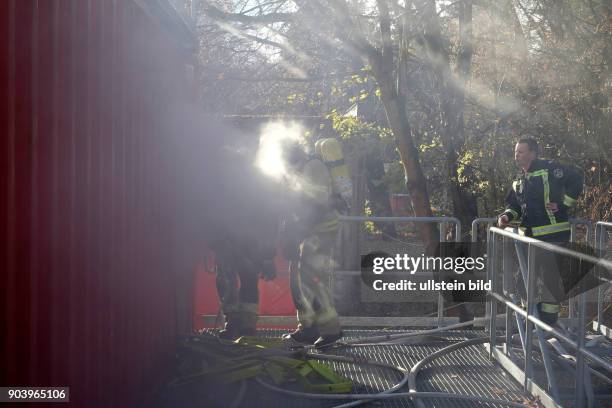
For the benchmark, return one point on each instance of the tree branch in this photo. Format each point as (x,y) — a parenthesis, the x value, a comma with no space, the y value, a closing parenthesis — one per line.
(385,31)
(269,18)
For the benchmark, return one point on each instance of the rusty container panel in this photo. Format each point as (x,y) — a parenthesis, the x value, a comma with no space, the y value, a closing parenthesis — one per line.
(87,292)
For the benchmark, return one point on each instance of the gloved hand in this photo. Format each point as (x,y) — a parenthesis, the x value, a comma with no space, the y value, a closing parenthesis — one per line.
(268,270)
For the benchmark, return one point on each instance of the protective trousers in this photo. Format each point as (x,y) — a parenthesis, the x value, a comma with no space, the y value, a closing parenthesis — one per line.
(310,284)
(550,289)
(237,287)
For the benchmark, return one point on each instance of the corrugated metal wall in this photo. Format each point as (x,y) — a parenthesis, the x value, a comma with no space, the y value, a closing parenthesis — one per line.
(87,284)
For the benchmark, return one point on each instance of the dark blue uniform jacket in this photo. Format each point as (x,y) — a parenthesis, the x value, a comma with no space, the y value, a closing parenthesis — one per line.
(545,182)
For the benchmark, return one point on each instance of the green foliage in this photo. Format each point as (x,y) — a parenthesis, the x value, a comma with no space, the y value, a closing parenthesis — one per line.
(366,138)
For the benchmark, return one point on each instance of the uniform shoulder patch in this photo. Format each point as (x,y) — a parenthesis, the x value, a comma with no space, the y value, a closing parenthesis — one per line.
(558,173)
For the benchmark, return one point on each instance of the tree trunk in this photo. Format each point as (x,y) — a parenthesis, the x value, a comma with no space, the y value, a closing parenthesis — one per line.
(452,95)
(415,179)
(382,68)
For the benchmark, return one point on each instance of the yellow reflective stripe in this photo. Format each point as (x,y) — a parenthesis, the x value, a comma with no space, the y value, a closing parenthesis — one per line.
(551,216)
(542,172)
(549,308)
(550,229)
(568,201)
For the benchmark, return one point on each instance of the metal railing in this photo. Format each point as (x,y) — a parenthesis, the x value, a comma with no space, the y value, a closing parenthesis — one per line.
(528,320)
(478,222)
(573,238)
(440,221)
(601,238)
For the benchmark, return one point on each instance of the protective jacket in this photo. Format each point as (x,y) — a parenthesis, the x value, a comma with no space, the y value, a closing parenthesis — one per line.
(543,183)
(316,226)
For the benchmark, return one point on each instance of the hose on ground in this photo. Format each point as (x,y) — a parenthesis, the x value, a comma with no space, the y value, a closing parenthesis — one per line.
(414,372)
(369,341)
(409,377)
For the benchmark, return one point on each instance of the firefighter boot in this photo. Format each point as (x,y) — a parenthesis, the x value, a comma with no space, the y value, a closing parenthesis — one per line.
(327,340)
(232,327)
(549,312)
(304,335)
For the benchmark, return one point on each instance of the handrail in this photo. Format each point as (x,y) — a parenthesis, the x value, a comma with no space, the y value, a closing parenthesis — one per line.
(478,221)
(439,220)
(531,316)
(552,247)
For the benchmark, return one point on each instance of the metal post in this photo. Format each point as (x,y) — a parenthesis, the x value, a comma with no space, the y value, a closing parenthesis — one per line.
(600,241)
(589,230)
(531,283)
(522,260)
(488,277)
(571,301)
(550,374)
(477,222)
(520,323)
(458,231)
(494,273)
(573,223)
(506,291)
(440,297)
(599,247)
(580,366)
(491,272)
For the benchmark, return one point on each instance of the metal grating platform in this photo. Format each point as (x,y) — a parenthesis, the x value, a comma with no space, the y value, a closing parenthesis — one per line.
(466,371)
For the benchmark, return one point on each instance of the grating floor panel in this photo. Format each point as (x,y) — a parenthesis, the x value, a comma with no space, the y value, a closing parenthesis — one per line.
(565,374)
(465,371)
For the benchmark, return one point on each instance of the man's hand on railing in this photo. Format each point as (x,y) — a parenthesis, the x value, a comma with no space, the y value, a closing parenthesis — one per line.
(503,221)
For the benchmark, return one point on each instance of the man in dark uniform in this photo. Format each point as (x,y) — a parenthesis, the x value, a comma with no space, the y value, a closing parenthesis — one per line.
(541,198)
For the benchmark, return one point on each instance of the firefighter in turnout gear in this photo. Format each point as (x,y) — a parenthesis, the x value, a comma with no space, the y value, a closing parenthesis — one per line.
(309,236)
(540,199)
(240,263)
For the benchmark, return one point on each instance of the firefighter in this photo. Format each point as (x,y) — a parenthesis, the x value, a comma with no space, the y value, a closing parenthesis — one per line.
(309,238)
(241,261)
(541,198)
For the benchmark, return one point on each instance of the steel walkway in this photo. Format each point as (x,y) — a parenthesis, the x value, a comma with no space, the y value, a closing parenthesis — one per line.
(466,371)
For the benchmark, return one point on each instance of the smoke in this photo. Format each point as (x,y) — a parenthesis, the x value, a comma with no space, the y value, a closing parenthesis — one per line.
(219,191)
(278,140)
(273,141)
